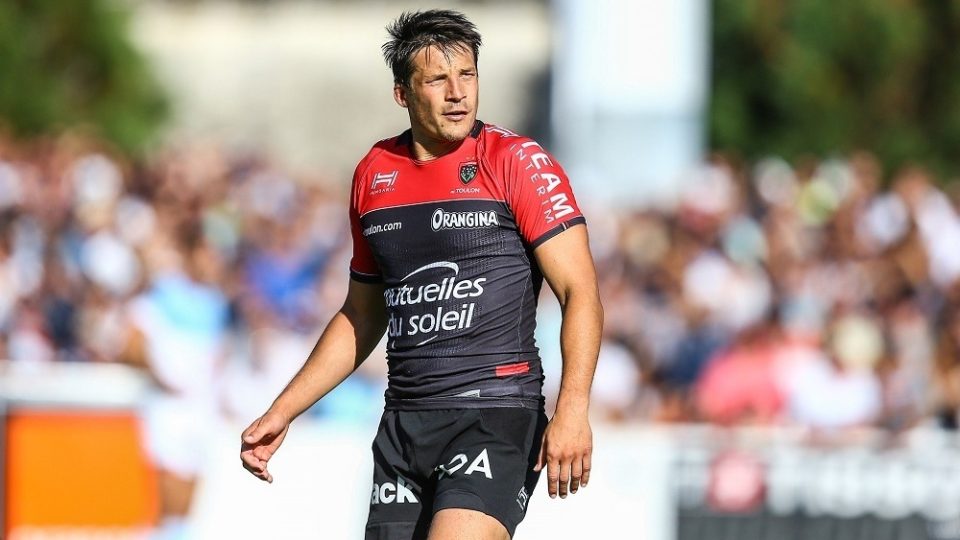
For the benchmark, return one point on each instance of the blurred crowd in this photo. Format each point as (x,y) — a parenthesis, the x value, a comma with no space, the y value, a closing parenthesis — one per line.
(819,294)
(823,294)
(212,271)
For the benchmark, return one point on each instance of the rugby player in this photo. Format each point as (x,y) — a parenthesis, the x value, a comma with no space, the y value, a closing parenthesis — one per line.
(455,224)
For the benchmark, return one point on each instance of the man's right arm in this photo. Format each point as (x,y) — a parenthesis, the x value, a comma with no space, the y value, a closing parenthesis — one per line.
(346,342)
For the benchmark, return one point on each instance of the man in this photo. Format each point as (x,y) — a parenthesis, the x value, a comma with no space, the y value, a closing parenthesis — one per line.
(177,334)
(455,223)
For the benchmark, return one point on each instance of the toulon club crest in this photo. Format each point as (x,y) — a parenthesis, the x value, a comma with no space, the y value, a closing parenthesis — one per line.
(468,171)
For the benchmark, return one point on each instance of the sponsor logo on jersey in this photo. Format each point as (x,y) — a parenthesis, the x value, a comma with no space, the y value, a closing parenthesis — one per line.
(464,190)
(457,312)
(383,182)
(546,179)
(389,492)
(468,171)
(382,227)
(442,219)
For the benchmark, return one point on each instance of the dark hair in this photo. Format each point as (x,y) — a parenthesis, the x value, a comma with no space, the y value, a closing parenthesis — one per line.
(412,31)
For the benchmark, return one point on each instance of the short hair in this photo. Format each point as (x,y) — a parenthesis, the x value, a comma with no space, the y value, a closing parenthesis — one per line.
(445,29)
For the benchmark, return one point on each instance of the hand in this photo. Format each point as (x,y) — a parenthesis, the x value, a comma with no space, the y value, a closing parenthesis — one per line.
(566,451)
(259,442)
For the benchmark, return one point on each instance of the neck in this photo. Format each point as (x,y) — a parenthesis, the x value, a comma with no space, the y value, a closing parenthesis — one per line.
(426,149)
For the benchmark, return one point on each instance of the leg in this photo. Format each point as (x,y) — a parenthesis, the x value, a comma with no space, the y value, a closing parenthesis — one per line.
(460,524)
(176,497)
(174,437)
(398,496)
(176,494)
(486,475)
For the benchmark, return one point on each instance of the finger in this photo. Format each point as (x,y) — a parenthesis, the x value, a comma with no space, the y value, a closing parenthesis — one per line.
(263,453)
(586,469)
(252,469)
(553,477)
(251,461)
(576,472)
(260,472)
(264,476)
(564,478)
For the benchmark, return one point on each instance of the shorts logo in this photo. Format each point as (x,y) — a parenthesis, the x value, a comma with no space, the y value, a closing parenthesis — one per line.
(383,182)
(468,171)
(441,219)
(522,498)
(389,492)
(481,464)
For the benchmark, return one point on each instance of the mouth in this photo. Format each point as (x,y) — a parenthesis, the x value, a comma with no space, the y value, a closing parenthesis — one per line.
(455,116)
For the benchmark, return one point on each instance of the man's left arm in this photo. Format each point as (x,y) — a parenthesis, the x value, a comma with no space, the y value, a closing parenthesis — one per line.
(566,264)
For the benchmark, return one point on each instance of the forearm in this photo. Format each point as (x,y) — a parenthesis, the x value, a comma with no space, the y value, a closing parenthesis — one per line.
(345,343)
(580,345)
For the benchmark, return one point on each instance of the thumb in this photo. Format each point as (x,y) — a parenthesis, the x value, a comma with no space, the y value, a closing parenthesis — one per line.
(257,432)
(541,455)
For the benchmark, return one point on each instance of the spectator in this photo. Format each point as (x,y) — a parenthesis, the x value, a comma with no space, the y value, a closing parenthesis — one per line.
(178,334)
(947,370)
(724,307)
(740,383)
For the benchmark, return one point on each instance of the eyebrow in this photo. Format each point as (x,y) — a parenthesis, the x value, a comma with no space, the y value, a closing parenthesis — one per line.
(443,75)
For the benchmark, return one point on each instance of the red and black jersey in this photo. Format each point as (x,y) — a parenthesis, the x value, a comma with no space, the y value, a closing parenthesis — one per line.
(452,241)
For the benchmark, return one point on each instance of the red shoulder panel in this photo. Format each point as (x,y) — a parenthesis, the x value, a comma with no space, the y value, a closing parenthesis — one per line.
(536,187)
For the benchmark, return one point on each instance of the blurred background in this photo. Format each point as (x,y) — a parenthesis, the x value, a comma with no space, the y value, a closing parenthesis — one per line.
(773,198)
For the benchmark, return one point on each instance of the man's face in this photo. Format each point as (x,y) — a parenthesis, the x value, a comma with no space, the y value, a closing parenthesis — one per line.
(441,96)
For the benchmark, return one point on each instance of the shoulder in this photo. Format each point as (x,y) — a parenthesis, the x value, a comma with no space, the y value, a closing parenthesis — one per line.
(379,150)
(507,148)
(508,154)
(498,142)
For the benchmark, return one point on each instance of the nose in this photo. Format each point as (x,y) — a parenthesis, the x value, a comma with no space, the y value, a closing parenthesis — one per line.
(456,91)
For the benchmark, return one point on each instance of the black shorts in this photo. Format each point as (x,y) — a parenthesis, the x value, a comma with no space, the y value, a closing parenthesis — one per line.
(425,461)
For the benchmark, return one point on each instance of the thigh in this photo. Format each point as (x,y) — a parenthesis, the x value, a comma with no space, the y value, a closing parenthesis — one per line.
(489,467)
(461,524)
(176,493)
(398,510)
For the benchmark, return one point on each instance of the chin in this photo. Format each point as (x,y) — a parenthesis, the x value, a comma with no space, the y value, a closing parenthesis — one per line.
(456,134)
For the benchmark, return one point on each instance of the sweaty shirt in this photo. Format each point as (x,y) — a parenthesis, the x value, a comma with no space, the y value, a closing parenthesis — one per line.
(452,241)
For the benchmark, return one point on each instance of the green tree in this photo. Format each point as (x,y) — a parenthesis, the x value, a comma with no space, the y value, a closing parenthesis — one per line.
(64,63)
(822,77)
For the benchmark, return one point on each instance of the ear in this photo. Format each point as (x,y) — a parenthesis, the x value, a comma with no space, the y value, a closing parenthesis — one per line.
(400,95)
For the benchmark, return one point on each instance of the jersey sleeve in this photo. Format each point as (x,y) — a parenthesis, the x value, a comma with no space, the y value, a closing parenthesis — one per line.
(538,192)
(363,267)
